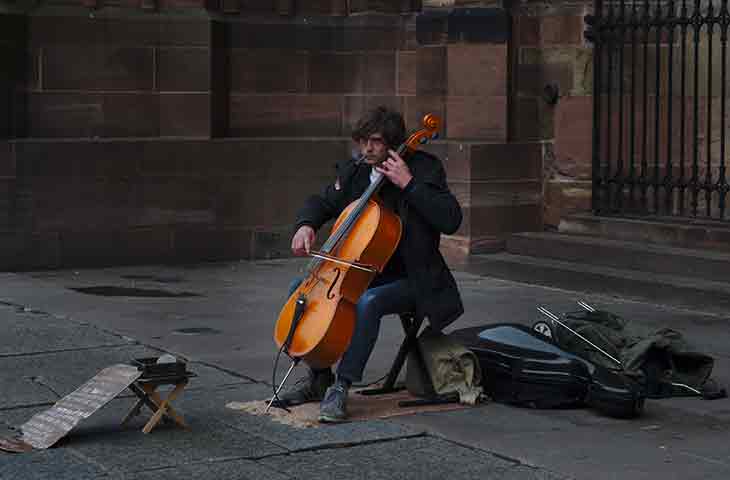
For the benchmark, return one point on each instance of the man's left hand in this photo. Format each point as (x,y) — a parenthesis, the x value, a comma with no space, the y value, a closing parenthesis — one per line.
(395,169)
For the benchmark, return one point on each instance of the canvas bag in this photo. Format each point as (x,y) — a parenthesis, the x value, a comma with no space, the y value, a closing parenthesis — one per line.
(450,367)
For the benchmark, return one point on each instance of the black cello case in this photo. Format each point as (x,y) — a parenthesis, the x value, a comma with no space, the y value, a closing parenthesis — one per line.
(522,367)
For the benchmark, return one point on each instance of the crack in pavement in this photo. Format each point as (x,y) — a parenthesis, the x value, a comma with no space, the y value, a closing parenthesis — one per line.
(337,445)
(26,405)
(517,462)
(19,308)
(42,382)
(66,350)
(703,458)
(223,369)
(257,458)
(85,458)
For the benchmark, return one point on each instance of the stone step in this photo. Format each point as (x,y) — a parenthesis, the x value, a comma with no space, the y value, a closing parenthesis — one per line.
(645,257)
(661,289)
(687,233)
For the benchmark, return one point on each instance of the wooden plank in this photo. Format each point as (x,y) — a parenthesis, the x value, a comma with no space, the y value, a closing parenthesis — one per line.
(47,427)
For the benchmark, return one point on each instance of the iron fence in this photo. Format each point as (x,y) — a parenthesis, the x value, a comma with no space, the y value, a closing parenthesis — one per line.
(659,112)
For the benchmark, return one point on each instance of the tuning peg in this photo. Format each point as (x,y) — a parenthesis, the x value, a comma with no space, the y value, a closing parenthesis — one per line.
(434,135)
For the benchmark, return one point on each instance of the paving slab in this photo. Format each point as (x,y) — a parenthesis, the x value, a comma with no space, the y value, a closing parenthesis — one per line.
(25,332)
(581,443)
(235,298)
(19,389)
(168,446)
(218,470)
(53,464)
(418,458)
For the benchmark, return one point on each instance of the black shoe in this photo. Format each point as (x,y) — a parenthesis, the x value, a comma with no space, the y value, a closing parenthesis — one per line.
(312,390)
(333,408)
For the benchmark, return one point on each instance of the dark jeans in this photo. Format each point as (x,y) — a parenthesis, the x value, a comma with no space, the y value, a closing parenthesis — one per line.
(384,297)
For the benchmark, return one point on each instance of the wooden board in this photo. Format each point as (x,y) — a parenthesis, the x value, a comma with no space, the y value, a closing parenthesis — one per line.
(47,427)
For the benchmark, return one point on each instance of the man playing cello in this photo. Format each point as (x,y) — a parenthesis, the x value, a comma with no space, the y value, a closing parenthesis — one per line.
(415,279)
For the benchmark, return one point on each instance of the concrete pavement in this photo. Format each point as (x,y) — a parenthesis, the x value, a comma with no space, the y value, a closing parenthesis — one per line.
(220,317)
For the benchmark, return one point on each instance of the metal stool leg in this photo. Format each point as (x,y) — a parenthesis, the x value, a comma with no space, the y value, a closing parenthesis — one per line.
(411,326)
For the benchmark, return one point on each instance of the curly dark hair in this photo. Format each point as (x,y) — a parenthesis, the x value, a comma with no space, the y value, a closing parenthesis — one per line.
(381,120)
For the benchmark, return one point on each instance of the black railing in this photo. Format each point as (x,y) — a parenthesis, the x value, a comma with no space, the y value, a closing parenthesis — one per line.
(659,128)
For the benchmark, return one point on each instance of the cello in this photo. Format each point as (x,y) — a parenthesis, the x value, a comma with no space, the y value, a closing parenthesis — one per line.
(318,319)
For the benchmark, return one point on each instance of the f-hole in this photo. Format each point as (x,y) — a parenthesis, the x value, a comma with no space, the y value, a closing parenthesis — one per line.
(330,294)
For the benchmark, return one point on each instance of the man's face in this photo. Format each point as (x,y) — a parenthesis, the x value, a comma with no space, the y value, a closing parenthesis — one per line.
(374,148)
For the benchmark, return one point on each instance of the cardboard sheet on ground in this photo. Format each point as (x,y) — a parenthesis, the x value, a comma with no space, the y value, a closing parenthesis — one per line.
(359,407)
(47,427)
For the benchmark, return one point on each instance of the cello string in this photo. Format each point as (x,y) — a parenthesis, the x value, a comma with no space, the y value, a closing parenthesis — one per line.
(333,241)
(347,224)
(327,247)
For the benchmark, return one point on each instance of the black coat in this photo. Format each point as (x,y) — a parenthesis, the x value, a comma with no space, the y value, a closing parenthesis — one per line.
(427,209)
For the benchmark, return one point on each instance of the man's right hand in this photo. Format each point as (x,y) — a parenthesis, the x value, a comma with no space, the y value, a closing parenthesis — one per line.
(302,241)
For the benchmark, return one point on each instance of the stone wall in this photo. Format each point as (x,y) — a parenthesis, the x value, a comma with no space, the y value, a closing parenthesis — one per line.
(178,130)
(554,100)
(465,65)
